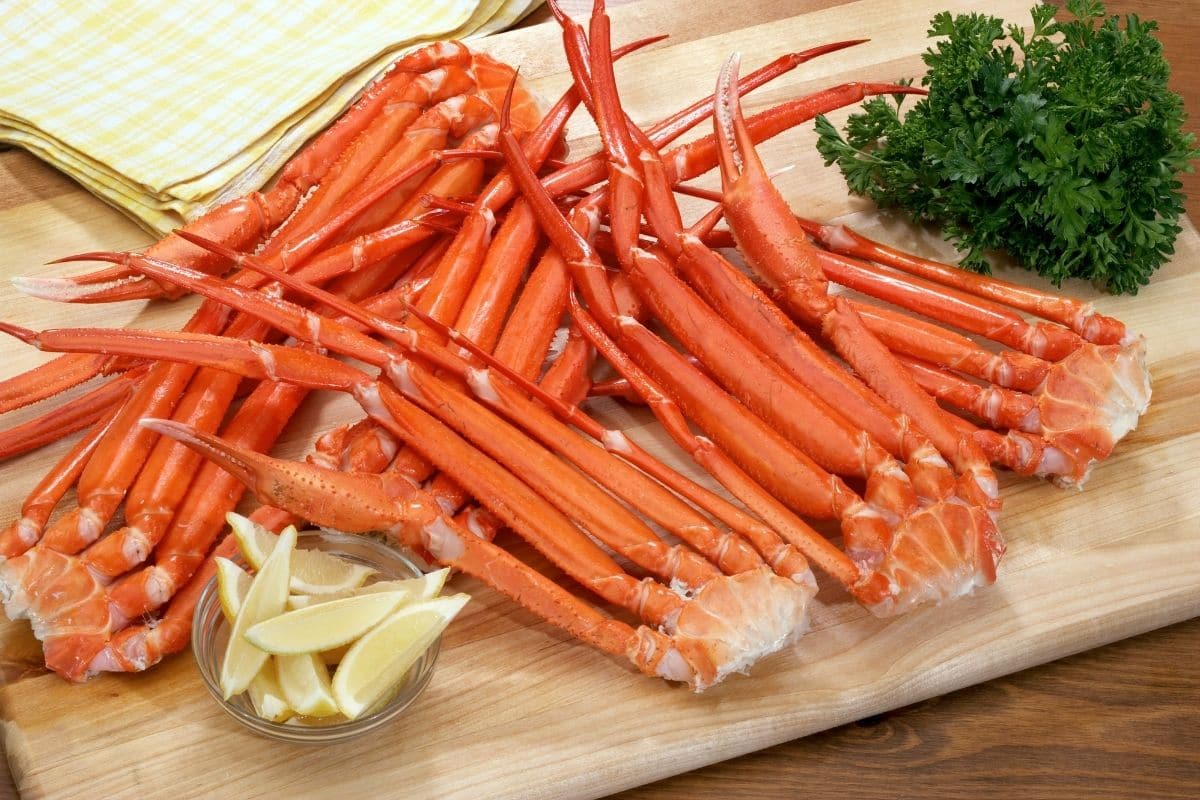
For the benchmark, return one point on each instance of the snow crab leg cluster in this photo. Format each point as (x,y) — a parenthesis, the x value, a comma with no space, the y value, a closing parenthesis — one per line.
(436,238)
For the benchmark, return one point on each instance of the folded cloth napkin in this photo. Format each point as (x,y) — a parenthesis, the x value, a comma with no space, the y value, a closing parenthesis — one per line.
(167,109)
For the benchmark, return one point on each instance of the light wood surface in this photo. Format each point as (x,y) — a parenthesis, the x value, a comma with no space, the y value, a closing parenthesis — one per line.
(517,710)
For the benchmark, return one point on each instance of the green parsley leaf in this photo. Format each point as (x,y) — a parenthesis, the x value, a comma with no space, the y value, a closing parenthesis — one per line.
(1061,146)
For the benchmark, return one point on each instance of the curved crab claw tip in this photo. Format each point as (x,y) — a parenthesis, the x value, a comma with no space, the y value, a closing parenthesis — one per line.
(834,46)
(72,290)
(95,255)
(506,109)
(557,11)
(24,334)
(176,430)
(731,67)
(211,447)
(725,112)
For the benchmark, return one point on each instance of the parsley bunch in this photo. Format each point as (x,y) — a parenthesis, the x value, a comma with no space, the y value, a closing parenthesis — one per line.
(1066,157)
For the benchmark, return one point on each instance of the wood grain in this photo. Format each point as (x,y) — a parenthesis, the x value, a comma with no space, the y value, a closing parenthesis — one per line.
(534,715)
(1110,724)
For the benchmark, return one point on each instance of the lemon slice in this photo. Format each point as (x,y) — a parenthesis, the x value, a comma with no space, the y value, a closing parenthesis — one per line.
(232,584)
(334,657)
(324,626)
(376,663)
(313,572)
(254,541)
(267,695)
(265,598)
(422,588)
(304,680)
(319,573)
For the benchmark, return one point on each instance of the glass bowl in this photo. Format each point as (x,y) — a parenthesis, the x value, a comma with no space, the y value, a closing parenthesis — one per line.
(210,634)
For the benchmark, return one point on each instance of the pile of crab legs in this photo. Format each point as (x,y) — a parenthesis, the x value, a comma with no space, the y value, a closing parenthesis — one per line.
(399,239)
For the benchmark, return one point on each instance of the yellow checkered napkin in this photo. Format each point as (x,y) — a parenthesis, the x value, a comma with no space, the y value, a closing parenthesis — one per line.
(166,109)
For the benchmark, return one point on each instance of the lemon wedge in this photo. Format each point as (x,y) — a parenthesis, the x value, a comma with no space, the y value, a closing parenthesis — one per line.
(324,626)
(232,584)
(313,572)
(266,695)
(422,588)
(265,598)
(376,663)
(304,680)
(334,657)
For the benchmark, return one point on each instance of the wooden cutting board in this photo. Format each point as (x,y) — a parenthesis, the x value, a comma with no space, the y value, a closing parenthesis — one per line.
(515,708)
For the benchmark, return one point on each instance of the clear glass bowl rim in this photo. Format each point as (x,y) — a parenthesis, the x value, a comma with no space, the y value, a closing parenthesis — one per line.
(208,620)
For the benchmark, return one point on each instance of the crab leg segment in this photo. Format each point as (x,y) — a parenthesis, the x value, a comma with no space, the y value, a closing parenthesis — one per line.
(49,379)
(494,390)
(41,502)
(1078,316)
(772,240)
(85,410)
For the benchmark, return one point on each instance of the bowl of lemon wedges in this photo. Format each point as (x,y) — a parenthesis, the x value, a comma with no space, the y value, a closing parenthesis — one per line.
(322,636)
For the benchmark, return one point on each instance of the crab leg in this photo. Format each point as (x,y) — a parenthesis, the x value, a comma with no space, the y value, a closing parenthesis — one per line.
(246,221)
(759,383)
(448,291)
(513,501)
(389,145)
(782,557)
(801,489)
(712,634)
(26,531)
(163,481)
(580,499)
(491,283)
(1080,317)
(533,317)
(123,449)
(63,373)
(49,379)
(201,514)
(700,156)
(771,239)
(70,417)
(460,263)
(78,638)
(496,392)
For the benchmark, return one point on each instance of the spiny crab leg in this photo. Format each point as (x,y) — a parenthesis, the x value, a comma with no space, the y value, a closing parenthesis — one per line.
(27,530)
(773,241)
(624,532)
(74,415)
(49,379)
(491,385)
(706,654)
(1080,317)
(701,650)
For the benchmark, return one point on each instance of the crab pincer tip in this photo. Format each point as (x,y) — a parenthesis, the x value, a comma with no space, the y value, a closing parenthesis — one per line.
(95,255)
(557,11)
(166,427)
(506,109)
(24,334)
